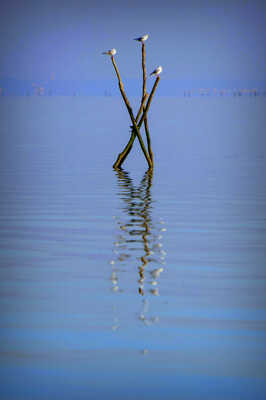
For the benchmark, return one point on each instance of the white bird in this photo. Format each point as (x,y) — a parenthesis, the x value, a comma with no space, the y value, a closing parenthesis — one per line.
(111,52)
(142,38)
(157,71)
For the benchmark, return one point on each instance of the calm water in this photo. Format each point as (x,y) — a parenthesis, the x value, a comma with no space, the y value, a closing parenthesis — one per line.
(126,285)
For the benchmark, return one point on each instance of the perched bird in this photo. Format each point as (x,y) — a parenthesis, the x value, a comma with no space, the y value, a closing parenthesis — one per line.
(157,71)
(142,38)
(111,52)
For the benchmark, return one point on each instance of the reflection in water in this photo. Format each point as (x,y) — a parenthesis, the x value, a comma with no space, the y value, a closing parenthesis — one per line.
(138,238)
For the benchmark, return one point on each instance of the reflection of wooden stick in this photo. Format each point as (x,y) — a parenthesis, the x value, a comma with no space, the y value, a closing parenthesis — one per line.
(145,187)
(122,156)
(143,94)
(136,128)
(142,209)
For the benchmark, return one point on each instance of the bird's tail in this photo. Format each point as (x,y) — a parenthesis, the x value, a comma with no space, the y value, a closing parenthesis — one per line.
(105,52)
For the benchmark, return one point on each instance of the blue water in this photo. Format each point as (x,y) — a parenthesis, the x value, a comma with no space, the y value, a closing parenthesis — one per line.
(83,314)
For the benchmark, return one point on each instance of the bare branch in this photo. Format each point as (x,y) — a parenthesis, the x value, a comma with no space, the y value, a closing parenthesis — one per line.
(135,126)
(122,156)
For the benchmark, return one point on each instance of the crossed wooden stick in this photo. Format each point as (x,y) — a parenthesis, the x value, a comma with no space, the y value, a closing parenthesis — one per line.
(137,122)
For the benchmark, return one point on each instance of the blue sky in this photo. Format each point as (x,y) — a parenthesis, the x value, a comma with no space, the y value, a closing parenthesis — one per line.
(191,39)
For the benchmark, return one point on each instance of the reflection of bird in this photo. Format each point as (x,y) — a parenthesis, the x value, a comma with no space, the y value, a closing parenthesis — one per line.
(142,38)
(156,272)
(111,52)
(157,71)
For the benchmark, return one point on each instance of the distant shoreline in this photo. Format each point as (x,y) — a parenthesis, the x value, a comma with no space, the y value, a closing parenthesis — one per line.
(108,88)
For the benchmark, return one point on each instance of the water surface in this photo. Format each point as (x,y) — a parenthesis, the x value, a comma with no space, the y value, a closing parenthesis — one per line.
(130,284)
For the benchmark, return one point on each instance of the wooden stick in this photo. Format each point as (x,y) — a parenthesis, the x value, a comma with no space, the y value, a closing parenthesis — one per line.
(149,101)
(136,128)
(148,136)
(122,156)
(141,107)
(144,74)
